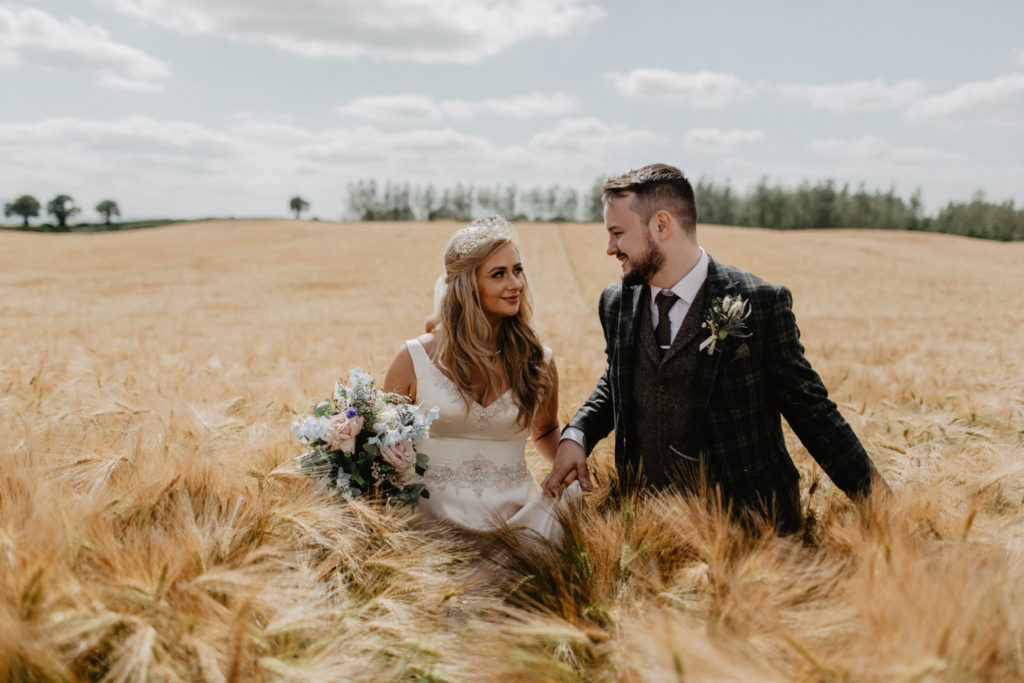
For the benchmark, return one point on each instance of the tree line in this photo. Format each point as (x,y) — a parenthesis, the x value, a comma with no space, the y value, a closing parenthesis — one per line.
(367,200)
(62,207)
(824,204)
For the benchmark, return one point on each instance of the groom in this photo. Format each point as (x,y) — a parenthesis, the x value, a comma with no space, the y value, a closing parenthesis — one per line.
(689,414)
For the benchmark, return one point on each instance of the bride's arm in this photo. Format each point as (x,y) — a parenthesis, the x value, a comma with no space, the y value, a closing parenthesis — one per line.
(401,375)
(544,430)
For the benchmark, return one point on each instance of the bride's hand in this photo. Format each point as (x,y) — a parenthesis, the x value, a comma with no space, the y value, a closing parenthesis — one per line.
(570,465)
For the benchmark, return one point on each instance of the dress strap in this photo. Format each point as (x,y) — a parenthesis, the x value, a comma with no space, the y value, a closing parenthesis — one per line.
(428,376)
(420,360)
(415,348)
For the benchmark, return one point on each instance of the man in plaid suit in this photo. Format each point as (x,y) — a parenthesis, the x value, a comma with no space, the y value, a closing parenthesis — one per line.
(690,414)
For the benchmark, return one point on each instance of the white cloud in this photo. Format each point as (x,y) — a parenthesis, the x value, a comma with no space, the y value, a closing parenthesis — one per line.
(871,148)
(403,30)
(410,152)
(393,108)
(858,96)
(702,89)
(132,138)
(534,105)
(1000,100)
(590,137)
(716,141)
(32,38)
(281,130)
(409,108)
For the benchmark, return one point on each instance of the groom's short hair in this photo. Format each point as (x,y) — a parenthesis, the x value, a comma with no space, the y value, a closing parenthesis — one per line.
(657,187)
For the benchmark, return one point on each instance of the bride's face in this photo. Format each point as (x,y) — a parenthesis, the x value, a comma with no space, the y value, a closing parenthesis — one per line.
(500,281)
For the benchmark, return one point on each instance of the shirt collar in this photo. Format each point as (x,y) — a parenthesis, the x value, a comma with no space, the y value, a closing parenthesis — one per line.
(687,288)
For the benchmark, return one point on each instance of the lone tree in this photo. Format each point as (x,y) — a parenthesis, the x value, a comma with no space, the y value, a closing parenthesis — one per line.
(108,208)
(298,205)
(62,207)
(26,205)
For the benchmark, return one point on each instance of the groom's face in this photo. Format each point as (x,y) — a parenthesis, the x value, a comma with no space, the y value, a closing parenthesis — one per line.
(630,241)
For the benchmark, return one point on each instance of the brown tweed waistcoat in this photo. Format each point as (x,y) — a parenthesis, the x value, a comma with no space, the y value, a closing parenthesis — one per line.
(665,423)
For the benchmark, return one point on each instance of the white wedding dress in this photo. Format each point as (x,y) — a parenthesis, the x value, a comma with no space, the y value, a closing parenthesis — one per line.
(476,474)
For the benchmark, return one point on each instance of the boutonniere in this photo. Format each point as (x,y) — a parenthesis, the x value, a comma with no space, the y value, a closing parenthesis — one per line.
(728,317)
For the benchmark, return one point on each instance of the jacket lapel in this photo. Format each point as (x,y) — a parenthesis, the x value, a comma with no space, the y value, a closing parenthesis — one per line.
(632,297)
(643,326)
(716,286)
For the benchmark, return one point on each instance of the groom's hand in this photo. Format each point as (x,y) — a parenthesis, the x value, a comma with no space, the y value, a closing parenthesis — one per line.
(570,465)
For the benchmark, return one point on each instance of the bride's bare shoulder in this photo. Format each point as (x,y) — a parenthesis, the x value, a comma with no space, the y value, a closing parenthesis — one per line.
(401,373)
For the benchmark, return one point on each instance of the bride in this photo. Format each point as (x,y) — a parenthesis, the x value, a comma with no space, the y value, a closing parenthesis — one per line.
(482,363)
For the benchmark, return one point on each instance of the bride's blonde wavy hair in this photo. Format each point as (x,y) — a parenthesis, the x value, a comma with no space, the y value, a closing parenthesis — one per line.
(463,346)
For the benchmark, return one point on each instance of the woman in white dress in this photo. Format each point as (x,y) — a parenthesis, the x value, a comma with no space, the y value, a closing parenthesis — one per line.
(482,363)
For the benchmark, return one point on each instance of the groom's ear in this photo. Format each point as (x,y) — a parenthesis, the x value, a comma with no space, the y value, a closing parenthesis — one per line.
(661,224)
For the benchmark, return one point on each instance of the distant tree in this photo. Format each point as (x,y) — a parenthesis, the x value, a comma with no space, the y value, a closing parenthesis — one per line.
(62,207)
(564,203)
(462,202)
(593,205)
(445,210)
(916,209)
(766,206)
(298,205)
(982,219)
(533,203)
(716,205)
(25,206)
(361,197)
(108,208)
(424,200)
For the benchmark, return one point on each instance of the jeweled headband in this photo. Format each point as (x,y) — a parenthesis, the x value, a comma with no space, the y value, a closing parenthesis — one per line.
(479,232)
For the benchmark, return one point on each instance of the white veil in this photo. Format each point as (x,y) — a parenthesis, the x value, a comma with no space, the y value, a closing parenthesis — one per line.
(440,288)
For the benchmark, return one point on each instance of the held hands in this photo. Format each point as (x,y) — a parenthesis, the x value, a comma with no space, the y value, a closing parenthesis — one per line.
(570,465)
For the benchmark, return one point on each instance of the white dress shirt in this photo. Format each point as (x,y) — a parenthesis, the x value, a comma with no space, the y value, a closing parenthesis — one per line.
(686,291)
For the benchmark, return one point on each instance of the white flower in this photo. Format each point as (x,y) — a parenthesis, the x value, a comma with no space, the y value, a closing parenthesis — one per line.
(311,428)
(420,422)
(344,485)
(361,385)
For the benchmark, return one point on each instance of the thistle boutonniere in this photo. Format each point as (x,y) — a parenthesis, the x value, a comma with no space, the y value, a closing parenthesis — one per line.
(727,317)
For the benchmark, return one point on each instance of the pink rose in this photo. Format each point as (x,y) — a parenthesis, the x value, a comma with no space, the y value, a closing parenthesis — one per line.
(401,456)
(342,431)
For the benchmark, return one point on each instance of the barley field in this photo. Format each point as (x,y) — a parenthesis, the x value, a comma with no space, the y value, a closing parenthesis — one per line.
(148,380)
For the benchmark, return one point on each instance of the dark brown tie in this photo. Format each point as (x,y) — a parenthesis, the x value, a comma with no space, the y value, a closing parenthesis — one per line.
(663,332)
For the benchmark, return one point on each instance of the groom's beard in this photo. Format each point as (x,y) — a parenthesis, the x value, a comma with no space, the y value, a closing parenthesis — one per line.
(644,268)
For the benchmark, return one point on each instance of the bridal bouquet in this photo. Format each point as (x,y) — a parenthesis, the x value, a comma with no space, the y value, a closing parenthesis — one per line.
(363,442)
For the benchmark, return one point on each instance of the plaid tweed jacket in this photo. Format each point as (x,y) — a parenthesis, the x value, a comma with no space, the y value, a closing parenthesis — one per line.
(743,389)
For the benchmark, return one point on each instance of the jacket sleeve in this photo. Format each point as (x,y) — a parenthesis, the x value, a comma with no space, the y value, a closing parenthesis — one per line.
(596,417)
(803,400)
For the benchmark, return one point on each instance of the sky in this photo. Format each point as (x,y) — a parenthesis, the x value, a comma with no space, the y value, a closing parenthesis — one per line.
(194,108)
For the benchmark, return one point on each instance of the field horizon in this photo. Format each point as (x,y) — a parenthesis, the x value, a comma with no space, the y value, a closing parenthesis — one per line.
(149,379)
